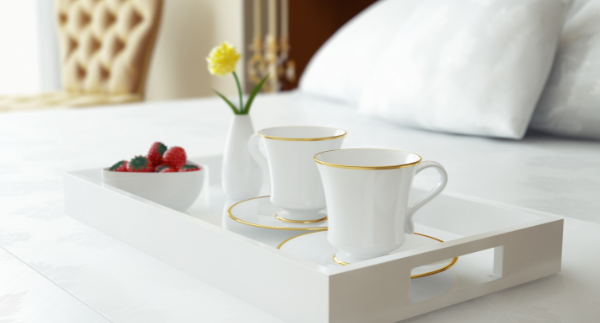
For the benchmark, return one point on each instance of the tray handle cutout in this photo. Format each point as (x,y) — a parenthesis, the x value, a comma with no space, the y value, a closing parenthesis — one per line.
(471,269)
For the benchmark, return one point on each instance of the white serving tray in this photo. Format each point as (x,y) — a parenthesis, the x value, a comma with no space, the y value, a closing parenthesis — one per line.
(499,246)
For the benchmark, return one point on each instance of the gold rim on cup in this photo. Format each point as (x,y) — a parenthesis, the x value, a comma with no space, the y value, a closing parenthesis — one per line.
(302,139)
(406,165)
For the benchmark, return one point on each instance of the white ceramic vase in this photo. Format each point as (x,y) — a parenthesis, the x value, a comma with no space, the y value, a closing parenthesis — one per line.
(242,176)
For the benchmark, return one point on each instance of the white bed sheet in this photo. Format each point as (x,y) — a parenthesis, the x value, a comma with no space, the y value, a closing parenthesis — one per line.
(120,284)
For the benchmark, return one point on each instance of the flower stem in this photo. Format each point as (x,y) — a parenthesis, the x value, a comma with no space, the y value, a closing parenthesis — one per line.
(254,93)
(237,81)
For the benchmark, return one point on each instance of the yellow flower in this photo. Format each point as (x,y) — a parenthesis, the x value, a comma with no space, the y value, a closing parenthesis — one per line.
(222,59)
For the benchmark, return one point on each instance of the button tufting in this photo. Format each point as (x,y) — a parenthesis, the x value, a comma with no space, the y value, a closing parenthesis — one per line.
(110,18)
(95,35)
(96,44)
(62,18)
(105,48)
(81,72)
(135,19)
(85,18)
(119,44)
(104,73)
(73,44)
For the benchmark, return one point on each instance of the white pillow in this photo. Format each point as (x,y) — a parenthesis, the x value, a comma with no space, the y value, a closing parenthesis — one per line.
(341,66)
(466,66)
(570,103)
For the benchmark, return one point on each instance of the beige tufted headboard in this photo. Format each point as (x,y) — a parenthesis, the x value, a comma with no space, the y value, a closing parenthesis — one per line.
(106,44)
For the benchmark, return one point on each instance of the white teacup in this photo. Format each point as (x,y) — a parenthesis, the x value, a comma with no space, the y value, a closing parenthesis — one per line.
(296,186)
(367,199)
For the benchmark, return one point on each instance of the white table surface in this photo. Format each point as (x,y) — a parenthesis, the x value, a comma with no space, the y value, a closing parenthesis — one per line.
(56,269)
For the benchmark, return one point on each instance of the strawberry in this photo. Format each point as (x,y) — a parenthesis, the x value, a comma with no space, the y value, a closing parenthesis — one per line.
(159,168)
(175,157)
(156,153)
(119,167)
(189,168)
(140,164)
(168,169)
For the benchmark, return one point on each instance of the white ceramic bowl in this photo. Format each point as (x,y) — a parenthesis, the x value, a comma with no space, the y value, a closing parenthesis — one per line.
(175,190)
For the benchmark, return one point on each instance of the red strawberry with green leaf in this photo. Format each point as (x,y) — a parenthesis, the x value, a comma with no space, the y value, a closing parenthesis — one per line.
(159,168)
(168,169)
(189,168)
(140,164)
(119,167)
(156,153)
(175,157)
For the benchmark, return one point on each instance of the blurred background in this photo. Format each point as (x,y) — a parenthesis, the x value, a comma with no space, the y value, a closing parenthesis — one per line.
(30,59)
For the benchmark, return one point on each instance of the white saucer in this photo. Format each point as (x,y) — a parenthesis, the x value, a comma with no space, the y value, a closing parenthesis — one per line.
(313,246)
(260,212)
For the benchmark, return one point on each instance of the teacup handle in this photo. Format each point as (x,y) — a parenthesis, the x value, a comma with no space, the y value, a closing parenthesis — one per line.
(253,148)
(410,225)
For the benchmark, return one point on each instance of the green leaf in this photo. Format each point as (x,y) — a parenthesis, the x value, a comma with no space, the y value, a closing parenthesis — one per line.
(161,149)
(253,95)
(117,165)
(235,110)
(190,167)
(239,87)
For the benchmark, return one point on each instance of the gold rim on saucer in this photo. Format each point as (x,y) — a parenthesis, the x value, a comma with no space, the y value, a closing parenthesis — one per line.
(294,237)
(234,218)
(297,221)
(429,273)
(406,165)
(303,139)
(339,262)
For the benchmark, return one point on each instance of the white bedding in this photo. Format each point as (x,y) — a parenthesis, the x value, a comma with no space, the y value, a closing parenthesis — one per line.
(467,66)
(80,272)
(570,103)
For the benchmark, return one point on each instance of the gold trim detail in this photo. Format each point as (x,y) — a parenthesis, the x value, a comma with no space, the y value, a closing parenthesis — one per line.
(367,167)
(339,262)
(429,273)
(437,271)
(294,237)
(297,221)
(234,218)
(303,139)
